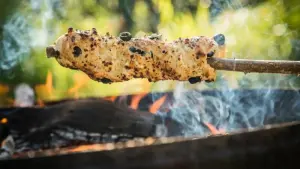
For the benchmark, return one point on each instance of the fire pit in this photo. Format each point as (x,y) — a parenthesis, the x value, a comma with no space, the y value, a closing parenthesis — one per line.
(216,129)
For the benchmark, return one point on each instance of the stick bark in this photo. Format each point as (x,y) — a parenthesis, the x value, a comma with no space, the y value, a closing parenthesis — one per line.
(256,66)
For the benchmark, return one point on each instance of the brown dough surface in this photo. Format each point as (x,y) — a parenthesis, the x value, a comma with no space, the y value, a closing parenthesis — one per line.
(110,59)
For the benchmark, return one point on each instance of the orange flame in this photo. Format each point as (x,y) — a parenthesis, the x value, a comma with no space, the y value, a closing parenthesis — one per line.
(157,104)
(213,129)
(80,80)
(49,83)
(111,98)
(3,121)
(136,100)
(3,89)
(48,87)
(40,102)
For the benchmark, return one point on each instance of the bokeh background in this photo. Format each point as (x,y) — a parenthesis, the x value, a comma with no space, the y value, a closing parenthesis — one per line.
(254,29)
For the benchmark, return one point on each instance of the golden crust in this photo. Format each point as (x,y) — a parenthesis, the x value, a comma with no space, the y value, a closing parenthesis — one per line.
(110,59)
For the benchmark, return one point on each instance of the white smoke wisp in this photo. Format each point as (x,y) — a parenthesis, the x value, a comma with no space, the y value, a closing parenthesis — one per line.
(24,95)
(26,30)
(14,46)
(274,100)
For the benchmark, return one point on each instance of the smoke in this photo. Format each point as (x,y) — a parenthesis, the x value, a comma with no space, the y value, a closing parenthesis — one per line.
(274,100)
(24,95)
(30,27)
(14,43)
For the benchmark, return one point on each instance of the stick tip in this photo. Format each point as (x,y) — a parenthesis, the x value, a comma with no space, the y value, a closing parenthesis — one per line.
(51,52)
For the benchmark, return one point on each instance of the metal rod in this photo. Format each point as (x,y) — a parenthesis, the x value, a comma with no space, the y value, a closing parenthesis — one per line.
(256,66)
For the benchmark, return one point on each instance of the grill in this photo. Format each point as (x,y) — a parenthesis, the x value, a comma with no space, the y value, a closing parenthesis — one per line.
(238,129)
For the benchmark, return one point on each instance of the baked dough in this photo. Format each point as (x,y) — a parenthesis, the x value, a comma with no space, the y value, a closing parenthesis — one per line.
(109,59)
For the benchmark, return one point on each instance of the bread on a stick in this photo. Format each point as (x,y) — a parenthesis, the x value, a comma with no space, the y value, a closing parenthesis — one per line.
(109,59)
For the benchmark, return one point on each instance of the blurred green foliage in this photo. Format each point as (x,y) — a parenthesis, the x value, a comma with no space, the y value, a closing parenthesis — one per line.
(254,29)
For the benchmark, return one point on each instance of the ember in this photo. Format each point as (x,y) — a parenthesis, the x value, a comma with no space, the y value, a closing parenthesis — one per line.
(274,147)
(82,124)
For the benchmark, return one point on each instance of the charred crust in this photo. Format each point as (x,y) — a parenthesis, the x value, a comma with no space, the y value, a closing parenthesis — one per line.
(73,68)
(147,72)
(77,51)
(151,53)
(199,54)
(73,39)
(210,54)
(220,39)
(125,36)
(138,51)
(57,53)
(132,49)
(186,41)
(83,35)
(155,37)
(51,52)
(124,77)
(94,31)
(70,30)
(105,80)
(194,80)
(106,63)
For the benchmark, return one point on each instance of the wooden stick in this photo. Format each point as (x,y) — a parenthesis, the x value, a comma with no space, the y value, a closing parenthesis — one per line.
(256,66)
